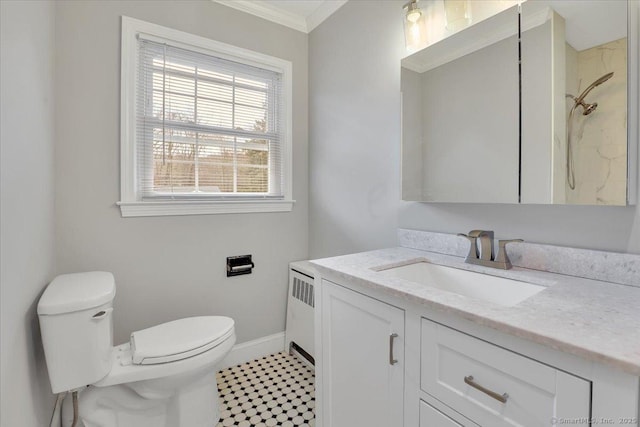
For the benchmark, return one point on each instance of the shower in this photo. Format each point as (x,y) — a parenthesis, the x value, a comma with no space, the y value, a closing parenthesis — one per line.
(586,110)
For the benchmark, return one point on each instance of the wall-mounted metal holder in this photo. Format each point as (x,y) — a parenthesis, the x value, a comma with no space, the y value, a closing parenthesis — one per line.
(238,265)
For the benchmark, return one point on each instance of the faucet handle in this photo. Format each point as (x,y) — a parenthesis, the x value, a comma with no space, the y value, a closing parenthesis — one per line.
(473,248)
(481,233)
(502,256)
(485,237)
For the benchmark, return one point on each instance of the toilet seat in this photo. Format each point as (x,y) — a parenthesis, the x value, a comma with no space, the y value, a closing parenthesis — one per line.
(124,370)
(179,339)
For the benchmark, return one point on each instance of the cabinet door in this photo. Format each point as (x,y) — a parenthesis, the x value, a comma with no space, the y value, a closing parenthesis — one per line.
(362,360)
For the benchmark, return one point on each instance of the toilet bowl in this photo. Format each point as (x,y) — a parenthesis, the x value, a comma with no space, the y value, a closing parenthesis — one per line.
(163,377)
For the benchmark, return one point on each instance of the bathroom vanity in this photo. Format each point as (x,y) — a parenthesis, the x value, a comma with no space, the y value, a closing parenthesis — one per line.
(413,336)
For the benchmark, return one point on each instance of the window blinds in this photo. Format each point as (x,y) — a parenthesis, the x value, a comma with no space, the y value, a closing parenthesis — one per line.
(206,126)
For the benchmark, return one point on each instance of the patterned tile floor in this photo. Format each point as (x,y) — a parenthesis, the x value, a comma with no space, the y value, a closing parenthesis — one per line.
(276,390)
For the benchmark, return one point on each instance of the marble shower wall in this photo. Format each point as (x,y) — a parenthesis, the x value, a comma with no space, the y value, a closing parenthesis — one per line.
(599,139)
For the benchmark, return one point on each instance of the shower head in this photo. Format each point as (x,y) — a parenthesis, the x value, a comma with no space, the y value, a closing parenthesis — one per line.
(598,82)
(588,108)
(603,79)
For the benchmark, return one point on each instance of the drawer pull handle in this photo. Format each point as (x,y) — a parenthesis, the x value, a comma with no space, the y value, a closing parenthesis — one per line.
(392,337)
(499,397)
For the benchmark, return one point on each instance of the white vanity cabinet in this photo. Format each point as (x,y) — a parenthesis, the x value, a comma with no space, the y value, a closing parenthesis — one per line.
(389,362)
(362,359)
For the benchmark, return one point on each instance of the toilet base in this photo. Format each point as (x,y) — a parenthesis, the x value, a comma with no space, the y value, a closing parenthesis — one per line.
(188,400)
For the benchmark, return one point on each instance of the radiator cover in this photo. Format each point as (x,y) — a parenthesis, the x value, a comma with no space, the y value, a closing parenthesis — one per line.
(300,306)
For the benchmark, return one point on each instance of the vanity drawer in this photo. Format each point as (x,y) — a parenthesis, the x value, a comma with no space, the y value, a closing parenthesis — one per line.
(432,417)
(496,387)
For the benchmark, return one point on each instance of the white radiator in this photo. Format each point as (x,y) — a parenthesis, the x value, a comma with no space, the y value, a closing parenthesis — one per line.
(299,334)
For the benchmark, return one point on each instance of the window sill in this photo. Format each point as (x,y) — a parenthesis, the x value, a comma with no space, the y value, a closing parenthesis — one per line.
(204,207)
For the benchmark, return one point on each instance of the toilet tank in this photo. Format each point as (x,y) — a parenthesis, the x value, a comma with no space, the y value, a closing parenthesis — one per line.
(76,325)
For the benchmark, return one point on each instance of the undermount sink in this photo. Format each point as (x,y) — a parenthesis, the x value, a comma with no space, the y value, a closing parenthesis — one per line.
(498,290)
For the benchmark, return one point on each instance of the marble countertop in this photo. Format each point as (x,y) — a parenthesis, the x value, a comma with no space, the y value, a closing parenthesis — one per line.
(598,321)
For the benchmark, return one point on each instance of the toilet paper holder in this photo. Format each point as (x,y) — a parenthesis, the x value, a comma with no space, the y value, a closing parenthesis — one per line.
(239,264)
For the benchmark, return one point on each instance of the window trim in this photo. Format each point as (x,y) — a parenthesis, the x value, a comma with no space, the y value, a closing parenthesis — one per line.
(131,202)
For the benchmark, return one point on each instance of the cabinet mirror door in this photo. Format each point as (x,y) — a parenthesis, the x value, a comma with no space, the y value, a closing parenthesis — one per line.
(491,118)
(460,115)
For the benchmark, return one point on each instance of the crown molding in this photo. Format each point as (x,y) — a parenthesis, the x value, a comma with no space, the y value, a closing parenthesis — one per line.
(323,11)
(271,13)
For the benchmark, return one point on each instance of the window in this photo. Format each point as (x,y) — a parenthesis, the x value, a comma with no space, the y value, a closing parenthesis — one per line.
(206,126)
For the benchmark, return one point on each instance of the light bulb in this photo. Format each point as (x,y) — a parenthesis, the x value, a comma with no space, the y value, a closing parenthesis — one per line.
(413,16)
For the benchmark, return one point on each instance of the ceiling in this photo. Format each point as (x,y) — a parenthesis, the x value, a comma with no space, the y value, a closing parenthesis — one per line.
(592,23)
(301,15)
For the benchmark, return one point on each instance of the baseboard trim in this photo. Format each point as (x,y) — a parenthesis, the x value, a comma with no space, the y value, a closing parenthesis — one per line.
(254,349)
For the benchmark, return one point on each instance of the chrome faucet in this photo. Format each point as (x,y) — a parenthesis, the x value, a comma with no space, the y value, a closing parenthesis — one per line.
(486,257)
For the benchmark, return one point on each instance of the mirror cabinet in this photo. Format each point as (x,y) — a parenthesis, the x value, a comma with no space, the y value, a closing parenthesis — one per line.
(523,103)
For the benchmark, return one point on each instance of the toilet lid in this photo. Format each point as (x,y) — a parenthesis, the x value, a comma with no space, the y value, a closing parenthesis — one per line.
(179,339)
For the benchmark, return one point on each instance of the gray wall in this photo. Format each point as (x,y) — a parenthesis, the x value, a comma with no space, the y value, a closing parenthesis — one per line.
(166,267)
(354,121)
(354,91)
(27,207)
(470,126)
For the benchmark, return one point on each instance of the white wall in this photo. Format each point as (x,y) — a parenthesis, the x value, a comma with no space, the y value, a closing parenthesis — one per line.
(355,145)
(166,267)
(27,207)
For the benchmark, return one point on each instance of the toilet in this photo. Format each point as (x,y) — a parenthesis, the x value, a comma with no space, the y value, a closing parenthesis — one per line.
(165,376)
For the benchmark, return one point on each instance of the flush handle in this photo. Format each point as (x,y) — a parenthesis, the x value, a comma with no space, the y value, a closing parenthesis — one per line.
(102,314)
(392,337)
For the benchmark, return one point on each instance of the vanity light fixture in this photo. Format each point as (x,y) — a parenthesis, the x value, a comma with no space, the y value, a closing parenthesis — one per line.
(414,25)
(457,14)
